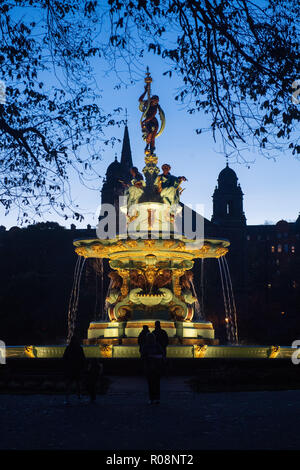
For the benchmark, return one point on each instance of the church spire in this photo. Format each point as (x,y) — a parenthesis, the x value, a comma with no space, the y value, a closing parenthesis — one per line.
(126,157)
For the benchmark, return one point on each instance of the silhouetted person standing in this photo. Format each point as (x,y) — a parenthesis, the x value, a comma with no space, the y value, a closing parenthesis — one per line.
(94,372)
(153,356)
(161,337)
(142,337)
(74,365)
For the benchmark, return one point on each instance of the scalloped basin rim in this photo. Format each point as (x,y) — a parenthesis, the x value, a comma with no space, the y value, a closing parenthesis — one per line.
(150,300)
(116,248)
(109,241)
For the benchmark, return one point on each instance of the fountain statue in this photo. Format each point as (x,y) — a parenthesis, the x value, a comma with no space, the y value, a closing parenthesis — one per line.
(151,260)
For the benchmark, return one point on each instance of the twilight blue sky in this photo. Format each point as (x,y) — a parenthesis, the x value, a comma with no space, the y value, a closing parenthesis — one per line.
(271,188)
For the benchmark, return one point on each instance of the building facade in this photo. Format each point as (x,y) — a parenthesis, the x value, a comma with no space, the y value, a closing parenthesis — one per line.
(265,266)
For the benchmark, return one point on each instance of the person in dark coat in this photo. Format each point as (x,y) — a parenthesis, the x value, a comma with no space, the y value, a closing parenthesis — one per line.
(161,337)
(153,356)
(94,372)
(142,337)
(74,364)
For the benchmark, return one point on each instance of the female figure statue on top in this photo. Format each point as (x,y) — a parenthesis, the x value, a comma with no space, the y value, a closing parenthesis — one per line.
(149,123)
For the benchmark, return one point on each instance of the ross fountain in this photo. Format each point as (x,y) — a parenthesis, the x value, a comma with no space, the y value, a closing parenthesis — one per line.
(151,278)
(151,260)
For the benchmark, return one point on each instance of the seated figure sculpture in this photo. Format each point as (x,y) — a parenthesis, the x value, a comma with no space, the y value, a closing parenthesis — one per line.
(168,185)
(134,189)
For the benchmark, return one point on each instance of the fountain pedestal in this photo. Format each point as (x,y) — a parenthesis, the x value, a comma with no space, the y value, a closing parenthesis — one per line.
(126,333)
(151,279)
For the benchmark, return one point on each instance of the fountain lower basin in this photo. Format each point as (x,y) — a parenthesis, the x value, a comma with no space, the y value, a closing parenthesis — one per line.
(110,351)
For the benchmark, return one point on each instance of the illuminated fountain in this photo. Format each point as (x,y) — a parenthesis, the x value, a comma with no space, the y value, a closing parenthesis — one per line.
(150,259)
(151,274)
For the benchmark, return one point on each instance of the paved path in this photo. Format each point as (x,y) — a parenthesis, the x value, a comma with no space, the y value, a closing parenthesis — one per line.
(122,419)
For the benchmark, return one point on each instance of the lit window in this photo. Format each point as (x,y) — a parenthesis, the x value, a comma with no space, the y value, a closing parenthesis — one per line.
(269,285)
(273,249)
(294,284)
(279,248)
(293,249)
(282,313)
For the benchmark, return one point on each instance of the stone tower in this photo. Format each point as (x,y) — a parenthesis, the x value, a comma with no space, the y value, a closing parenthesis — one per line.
(228,200)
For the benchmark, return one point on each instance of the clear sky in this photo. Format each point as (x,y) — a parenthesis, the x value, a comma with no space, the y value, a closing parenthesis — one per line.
(271,188)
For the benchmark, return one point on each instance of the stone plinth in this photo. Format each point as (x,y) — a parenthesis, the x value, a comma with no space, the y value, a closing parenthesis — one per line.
(126,333)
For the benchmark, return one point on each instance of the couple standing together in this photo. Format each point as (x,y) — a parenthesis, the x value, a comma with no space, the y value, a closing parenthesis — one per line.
(153,347)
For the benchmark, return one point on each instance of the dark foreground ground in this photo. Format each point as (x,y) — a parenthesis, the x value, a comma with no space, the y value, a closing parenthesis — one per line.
(122,419)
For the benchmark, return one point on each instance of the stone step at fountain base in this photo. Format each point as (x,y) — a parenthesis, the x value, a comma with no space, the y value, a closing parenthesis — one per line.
(127,332)
(134,341)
